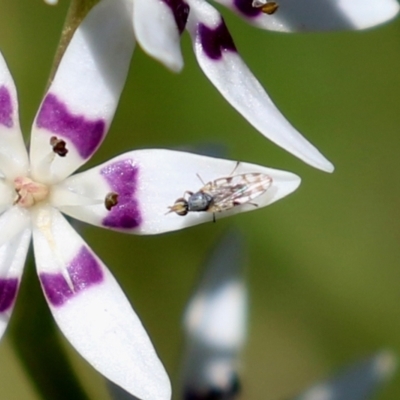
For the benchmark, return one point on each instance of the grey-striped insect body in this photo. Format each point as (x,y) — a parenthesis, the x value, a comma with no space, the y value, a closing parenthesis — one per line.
(223,194)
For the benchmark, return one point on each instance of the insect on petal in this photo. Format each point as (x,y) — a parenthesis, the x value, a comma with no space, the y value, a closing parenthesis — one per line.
(148,182)
(316,15)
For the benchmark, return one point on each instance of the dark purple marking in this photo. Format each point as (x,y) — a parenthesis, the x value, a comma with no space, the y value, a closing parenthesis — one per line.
(122,177)
(6,108)
(246,8)
(86,135)
(215,41)
(181,12)
(8,292)
(84,271)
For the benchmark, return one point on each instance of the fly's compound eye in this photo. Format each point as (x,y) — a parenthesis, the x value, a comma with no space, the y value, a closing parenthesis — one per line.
(180,207)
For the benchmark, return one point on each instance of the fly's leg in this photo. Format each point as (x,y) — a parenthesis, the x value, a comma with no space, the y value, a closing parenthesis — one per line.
(234,169)
(187,192)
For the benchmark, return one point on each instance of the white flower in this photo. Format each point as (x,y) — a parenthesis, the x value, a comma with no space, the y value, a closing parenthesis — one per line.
(158,24)
(130,193)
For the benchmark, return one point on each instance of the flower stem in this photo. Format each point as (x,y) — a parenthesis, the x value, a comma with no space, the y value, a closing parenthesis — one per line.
(35,340)
(78,10)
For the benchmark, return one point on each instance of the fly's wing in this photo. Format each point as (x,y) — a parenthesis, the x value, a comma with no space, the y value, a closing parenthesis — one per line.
(236,190)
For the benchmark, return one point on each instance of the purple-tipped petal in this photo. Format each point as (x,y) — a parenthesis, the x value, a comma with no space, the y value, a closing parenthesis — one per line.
(12,260)
(139,188)
(13,155)
(158,25)
(316,15)
(217,56)
(92,311)
(80,103)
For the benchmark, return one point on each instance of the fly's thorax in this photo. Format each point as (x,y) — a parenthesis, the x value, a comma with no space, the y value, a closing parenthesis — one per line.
(199,201)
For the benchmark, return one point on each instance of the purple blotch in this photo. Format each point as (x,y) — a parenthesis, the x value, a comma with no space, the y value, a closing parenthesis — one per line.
(8,292)
(6,108)
(122,177)
(181,12)
(246,8)
(215,41)
(84,271)
(86,135)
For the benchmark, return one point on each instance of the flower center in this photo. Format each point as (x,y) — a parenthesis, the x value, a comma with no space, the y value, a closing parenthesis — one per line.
(29,192)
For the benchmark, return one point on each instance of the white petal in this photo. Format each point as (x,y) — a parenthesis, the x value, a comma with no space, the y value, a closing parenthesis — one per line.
(12,259)
(317,15)
(216,313)
(215,322)
(13,155)
(156,28)
(217,56)
(148,182)
(81,101)
(92,311)
(7,194)
(12,223)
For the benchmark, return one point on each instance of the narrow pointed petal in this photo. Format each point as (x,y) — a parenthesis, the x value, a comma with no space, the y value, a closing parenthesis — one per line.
(7,194)
(12,259)
(359,381)
(158,25)
(92,311)
(316,15)
(12,222)
(215,324)
(217,56)
(148,182)
(13,154)
(80,103)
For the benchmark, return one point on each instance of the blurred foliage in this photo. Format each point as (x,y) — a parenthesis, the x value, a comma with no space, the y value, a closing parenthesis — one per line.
(325,273)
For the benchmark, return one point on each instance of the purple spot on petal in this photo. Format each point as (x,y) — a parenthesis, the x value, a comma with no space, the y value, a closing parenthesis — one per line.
(246,8)
(84,271)
(8,292)
(6,109)
(181,12)
(85,134)
(215,41)
(122,177)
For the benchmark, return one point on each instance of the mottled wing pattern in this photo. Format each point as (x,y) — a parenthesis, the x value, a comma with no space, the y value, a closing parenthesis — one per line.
(236,190)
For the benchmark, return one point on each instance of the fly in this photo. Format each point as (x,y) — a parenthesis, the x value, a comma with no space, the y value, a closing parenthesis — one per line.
(223,194)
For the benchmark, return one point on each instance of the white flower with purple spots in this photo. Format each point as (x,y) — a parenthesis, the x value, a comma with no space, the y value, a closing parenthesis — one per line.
(130,193)
(218,57)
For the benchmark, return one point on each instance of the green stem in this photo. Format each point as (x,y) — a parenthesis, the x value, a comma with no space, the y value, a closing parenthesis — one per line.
(37,345)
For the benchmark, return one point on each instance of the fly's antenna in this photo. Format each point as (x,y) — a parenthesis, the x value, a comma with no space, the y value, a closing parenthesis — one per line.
(201,180)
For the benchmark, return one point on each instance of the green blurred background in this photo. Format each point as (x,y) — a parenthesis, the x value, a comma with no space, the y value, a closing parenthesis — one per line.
(325,262)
